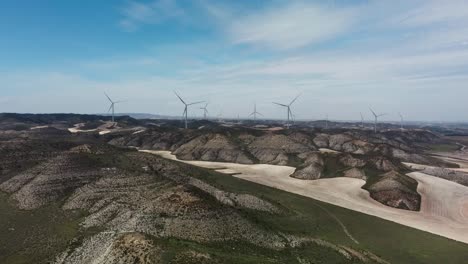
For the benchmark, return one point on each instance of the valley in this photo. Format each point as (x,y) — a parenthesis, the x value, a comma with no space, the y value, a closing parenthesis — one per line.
(225,194)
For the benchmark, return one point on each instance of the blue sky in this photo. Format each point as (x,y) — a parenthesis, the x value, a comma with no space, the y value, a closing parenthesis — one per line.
(343,56)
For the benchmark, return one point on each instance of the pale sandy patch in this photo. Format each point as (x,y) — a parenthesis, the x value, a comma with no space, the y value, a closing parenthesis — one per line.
(103,129)
(444,204)
(139,131)
(77,128)
(325,150)
(38,127)
(415,166)
(104,132)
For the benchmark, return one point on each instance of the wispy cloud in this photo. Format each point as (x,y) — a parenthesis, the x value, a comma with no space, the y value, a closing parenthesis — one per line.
(409,57)
(291,26)
(136,13)
(435,12)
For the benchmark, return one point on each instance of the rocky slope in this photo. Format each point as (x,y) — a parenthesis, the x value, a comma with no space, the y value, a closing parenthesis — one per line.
(131,201)
(354,153)
(395,190)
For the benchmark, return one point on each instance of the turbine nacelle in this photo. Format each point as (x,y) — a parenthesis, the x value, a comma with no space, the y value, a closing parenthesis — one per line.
(288,107)
(186,105)
(112,105)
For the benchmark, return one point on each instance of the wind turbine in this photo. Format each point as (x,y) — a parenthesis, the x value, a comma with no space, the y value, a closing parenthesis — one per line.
(376,117)
(255,113)
(288,107)
(112,106)
(185,114)
(326,122)
(220,115)
(401,121)
(205,111)
(362,119)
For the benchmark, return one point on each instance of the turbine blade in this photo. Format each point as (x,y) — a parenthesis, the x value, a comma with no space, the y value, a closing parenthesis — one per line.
(280,104)
(110,107)
(196,103)
(294,99)
(260,114)
(122,101)
(252,114)
(108,97)
(180,98)
(373,112)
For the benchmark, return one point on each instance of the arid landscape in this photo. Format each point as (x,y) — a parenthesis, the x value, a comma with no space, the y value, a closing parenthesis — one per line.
(146,193)
(234,132)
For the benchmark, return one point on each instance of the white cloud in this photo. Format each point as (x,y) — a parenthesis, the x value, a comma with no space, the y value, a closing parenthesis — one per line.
(292,26)
(416,66)
(435,12)
(137,13)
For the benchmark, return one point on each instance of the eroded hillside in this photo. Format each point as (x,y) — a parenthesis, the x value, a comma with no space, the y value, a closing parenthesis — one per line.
(376,158)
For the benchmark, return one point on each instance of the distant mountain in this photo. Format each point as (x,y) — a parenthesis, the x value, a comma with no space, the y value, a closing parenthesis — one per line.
(143,116)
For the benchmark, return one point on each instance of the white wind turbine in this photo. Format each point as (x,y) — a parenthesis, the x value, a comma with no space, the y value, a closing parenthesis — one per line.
(112,106)
(185,114)
(288,107)
(376,117)
(205,111)
(362,119)
(401,121)
(255,113)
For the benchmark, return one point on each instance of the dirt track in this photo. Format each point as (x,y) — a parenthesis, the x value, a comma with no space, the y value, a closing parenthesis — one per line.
(444,209)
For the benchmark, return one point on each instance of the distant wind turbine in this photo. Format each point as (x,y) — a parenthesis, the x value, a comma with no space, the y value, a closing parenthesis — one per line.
(376,117)
(255,113)
(185,114)
(288,107)
(401,121)
(205,111)
(220,115)
(362,119)
(112,106)
(326,122)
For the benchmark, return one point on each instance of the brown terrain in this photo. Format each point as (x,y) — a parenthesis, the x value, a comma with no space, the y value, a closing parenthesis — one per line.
(72,194)
(356,154)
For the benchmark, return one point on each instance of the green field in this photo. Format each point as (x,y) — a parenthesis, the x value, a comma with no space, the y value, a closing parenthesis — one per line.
(393,242)
(34,236)
(443,147)
(37,236)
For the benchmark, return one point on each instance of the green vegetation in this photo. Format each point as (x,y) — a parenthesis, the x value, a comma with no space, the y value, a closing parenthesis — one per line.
(175,251)
(34,236)
(443,147)
(307,217)
(37,236)
(333,168)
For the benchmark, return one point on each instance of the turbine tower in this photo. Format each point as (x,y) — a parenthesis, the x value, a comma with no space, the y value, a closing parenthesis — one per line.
(288,107)
(376,117)
(255,113)
(112,106)
(362,119)
(401,121)
(326,122)
(185,114)
(205,111)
